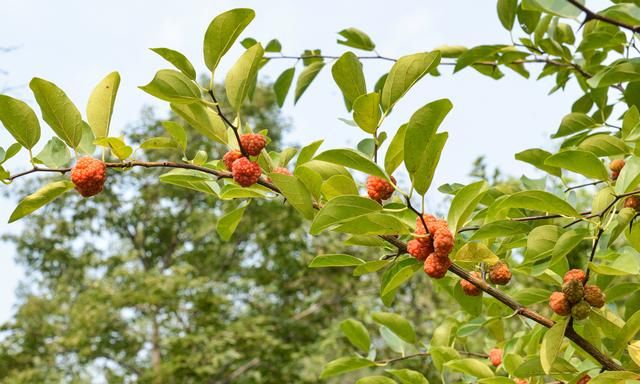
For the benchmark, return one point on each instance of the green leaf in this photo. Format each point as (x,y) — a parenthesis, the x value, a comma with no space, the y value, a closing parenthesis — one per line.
(178,60)
(574,123)
(366,112)
(397,324)
(204,120)
(634,351)
(173,86)
(344,365)
(617,377)
(582,162)
(375,380)
(629,177)
(507,12)
(20,120)
(529,296)
(470,367)
(604,145)
(178,133)
(539,201)
(395,153)
(423,175)
(158,143)
(86,146)
(551,343)
(500,229)
(335,260)
(404,74)
(554,7)
(100,105)
(351,159)
(191,179)
(419,142)
(222,32)
(355,38)
(55,154)
(464,202)
(338,185)
(273,46)
(357,334)
(11,151)
(408,376)
(306,77)
(496,380)
(229,222)
(621,71)
(307,152)
(243,75)
(40,198)
(630,329)
(295,192)
(527,19)
(537,157)
(282,85)
(565,244)
(374,223)
(476,54)
(347,73)
(398,274)
(58,111)
(473,253)
(117,146)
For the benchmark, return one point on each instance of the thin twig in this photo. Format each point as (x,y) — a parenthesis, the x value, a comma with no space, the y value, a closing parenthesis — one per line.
(228,122)
(583,185)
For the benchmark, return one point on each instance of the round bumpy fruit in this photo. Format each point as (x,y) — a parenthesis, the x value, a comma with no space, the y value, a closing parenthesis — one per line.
(632,202)
(500,274)
(436,267)
(379,189)
(616,165)
(584,379)
(495,356)
(230,157)
(443,241)
(521,381)
(559,304)
(282,171)
(245,172)
(253,143)
(470,289)
(574,274)
(419,249)
(573,291)
(594,296)
(89,175)
(581,310)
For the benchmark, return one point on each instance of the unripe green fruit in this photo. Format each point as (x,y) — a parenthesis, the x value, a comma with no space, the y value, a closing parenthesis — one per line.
(581,310)
(573,291)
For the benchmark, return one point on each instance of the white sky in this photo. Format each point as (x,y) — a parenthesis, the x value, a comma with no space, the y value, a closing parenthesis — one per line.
(74,43)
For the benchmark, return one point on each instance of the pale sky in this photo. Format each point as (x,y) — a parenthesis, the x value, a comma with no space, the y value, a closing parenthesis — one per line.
(75,43)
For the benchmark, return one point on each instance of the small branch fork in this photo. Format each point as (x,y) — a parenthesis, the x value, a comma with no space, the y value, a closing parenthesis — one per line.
(235,130)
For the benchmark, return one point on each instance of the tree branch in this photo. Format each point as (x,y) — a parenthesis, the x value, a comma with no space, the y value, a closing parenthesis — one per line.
(596,16)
